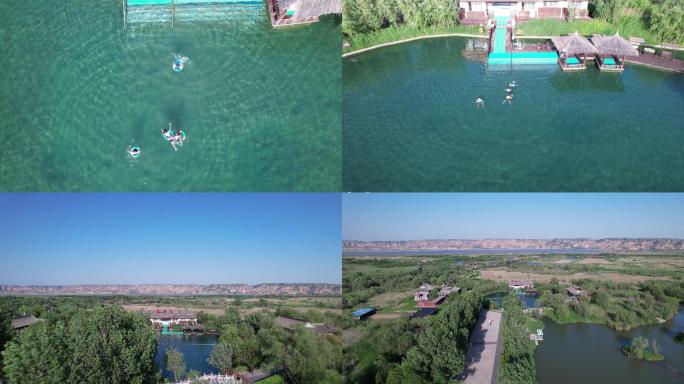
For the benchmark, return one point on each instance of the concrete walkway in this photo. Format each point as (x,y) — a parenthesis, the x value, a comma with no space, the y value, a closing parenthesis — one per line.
(482,362)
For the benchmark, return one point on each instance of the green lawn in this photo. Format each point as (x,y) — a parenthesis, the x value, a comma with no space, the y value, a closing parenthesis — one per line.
(405,305)
(532,324)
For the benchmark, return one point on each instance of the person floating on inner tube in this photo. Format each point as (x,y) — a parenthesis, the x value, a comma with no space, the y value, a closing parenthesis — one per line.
(133,151)
(169,135)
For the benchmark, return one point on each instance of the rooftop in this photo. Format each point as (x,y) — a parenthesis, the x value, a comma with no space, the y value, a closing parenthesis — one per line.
(362,312)
(24,321)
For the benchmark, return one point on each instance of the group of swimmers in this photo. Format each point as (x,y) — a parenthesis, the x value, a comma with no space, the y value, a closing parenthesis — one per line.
(173,136)
(509,92)
(480,103)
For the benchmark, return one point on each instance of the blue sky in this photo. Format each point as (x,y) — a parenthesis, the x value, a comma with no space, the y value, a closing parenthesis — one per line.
(414,216)
(189,238)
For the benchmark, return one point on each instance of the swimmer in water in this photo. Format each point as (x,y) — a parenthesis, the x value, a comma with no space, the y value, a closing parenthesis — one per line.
(479,102)
(509,99)
(178,138)
(512,84)
(179,62)
(508,90)
(168,136)
(133,151)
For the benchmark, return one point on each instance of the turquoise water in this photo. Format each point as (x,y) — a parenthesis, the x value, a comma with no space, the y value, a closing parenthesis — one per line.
(500,56)
(500,35)
(410,124)
(261,107)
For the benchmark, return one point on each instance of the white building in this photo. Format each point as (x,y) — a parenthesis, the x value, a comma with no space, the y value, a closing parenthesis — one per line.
(162,317)
(479,11)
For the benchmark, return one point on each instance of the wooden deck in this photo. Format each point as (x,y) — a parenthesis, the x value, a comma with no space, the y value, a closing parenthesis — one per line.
(659,62)
(307,11)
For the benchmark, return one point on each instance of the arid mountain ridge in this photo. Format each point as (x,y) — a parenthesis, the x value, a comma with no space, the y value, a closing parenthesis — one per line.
(608,244)
(299,289)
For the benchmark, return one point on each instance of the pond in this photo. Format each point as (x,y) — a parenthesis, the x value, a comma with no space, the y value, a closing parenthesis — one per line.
(196,350)
(410,124)
(260,106)
(527,301)
(589,353)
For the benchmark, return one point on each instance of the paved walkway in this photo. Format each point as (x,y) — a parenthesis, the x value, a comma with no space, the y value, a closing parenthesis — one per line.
(482,362)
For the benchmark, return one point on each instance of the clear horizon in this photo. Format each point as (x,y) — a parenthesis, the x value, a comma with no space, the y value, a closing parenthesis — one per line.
(162,238)
(478,216)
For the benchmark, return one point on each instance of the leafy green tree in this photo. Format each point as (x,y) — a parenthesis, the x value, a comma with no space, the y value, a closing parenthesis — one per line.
(6,332)
(311,359)
(103,345)
(517,359)
(667,21)
(175,363)
(221,358)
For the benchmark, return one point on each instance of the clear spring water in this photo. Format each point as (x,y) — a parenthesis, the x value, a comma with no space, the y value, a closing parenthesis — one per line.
(410,124)
(260,106)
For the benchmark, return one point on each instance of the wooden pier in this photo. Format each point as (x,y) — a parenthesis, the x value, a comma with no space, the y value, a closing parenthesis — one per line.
(297,12)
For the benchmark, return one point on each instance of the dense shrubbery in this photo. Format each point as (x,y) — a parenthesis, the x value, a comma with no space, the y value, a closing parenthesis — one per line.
(618,305)
(441,347)
(364,16)
(257,342)
(358,287)
(517,358)
(102,345)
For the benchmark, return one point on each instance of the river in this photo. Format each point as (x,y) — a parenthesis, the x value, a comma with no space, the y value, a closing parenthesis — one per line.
(590,353)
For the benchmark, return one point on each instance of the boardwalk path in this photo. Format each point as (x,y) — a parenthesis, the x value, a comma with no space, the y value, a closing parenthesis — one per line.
(482,361)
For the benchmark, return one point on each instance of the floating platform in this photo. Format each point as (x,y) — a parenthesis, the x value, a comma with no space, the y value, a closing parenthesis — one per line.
(514,58)
(172,11)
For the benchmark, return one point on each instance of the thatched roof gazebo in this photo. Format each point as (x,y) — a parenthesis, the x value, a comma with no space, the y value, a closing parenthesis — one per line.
(572,50)
(612,52)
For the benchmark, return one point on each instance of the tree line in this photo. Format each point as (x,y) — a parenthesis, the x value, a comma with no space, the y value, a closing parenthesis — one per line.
(103,345)
(257,342)
(517,356)
(364,16)
(665,18)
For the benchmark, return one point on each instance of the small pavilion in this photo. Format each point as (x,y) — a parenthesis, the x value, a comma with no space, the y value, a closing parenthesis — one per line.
(612,51)
(573,51)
